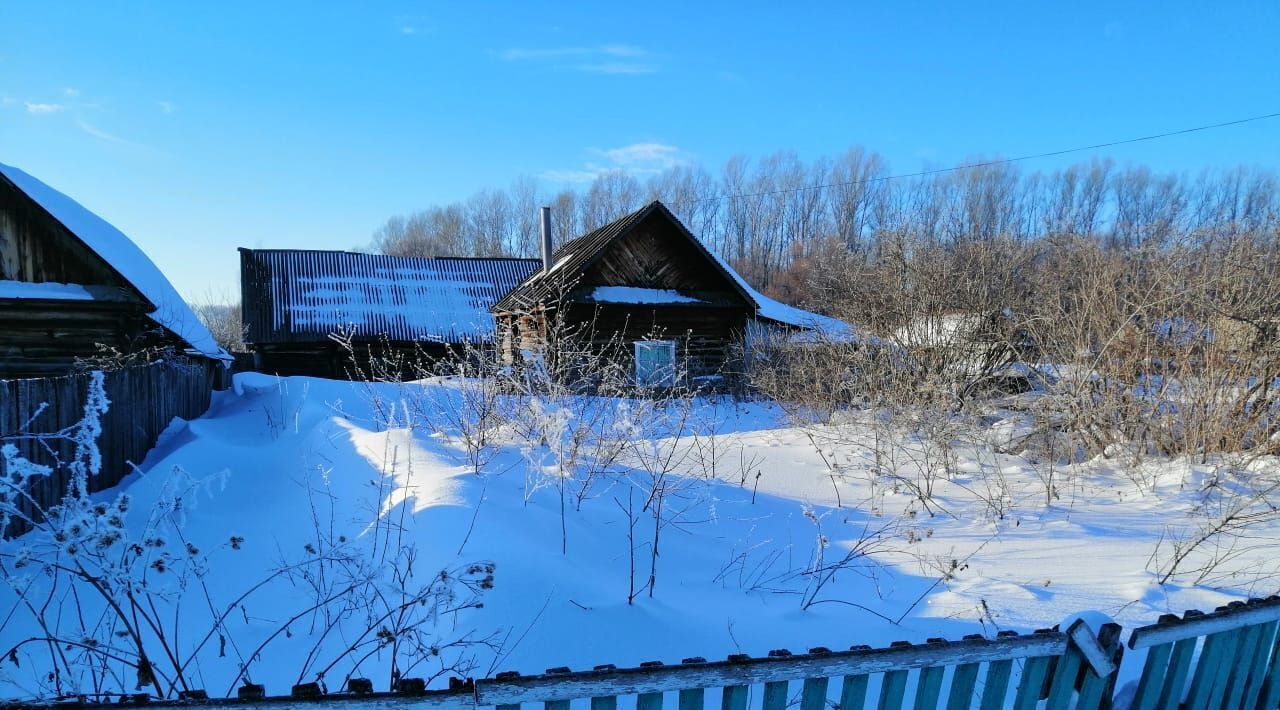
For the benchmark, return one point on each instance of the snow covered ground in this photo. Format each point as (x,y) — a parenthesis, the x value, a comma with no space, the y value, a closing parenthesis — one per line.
(364,490)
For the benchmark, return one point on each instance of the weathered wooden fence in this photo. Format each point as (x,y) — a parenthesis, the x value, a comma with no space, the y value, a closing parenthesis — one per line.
(144,400)
(1065,668)
(1225,659)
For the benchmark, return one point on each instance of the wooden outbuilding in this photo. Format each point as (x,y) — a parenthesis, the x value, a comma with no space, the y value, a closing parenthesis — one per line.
(645,288)
(642,290)
(73,287)
(331,313)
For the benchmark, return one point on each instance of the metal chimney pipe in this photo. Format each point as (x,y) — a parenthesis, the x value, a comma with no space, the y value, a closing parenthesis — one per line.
(546,239)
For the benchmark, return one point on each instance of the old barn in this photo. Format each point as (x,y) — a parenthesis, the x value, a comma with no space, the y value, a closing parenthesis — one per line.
(643,287)
(646,288)
(71,284)
(311,312)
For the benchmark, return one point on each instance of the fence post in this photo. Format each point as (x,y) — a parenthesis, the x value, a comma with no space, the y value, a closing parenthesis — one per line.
(1097,687)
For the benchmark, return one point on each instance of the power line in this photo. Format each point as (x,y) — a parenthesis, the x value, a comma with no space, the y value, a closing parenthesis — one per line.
(969,166)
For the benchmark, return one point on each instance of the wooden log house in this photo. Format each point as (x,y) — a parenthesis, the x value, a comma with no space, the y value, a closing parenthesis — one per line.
(70,284)
(646,288)
(642,287)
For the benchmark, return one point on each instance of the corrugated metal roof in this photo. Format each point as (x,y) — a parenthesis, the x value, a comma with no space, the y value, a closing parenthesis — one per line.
(304,296)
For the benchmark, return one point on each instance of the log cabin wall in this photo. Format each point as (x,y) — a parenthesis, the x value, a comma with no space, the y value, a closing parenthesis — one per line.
(654,255)
(705,336)
(43,339)
(40,338)
(683,295)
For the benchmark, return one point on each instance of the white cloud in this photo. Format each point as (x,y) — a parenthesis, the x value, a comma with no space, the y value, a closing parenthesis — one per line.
(42,108)
(604,50)
(621,50)
(101,134)
(71,92)
(167,107)
(598,59)
(569,175)
(412,24)
(617,68)
(636,159)
(516,54)
(644,155)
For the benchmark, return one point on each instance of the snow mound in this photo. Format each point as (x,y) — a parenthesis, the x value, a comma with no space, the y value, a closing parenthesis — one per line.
(285,472)
(125,257)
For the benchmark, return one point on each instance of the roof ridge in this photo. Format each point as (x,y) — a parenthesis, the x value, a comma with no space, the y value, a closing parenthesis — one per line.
(578,254)
(348,252)
(487,258)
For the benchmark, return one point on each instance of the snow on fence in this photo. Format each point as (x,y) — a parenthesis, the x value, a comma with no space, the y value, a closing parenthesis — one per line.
(1061,666)
(1237,666)
(144,400)
(1075,667)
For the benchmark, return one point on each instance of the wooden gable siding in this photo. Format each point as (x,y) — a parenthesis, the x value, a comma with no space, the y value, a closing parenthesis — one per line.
(45,337)
(654,255)
(35,247)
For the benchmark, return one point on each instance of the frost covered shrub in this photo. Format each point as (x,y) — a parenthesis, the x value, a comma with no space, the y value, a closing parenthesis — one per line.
(1218,547)
(107,598)
(21,473)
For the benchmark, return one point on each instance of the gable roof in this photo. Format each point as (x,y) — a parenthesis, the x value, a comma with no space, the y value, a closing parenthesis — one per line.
(577,255)
(125,258)
(293,295)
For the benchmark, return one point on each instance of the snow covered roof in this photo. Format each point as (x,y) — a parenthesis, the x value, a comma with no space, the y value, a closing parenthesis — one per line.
(576,255)
(639,295)
(48,291)
(304,296)
(109,243)
(958,329)
(779,312)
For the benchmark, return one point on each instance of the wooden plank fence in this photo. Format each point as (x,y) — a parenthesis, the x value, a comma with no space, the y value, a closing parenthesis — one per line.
(1226,659)
(1018,671)
(144,400)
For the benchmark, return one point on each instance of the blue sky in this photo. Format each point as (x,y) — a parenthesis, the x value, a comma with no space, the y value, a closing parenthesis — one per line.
(200,127)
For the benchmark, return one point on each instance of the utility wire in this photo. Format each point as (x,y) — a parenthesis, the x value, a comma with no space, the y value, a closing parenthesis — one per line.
(969,166)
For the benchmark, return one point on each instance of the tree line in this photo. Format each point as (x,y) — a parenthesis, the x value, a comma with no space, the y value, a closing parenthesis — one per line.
(1155,297)
(773,217)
